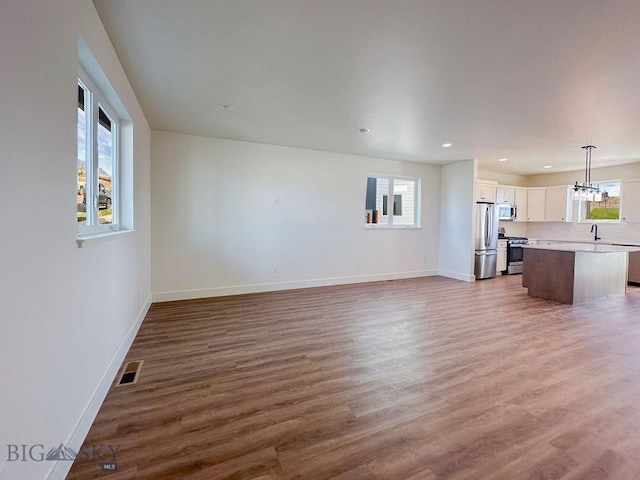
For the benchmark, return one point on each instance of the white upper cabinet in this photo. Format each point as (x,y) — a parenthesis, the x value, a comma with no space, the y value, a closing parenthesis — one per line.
(485,191)
(557,204)
(631,201)
(535,204)
(520,196)
(505,195)
(538,204)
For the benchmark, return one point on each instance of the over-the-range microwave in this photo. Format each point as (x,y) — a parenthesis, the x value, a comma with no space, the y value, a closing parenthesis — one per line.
(507,212)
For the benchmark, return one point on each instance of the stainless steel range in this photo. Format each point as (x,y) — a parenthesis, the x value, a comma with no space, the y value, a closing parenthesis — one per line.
(515,254)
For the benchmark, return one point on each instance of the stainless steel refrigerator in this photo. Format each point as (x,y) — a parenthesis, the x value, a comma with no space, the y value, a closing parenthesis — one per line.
(486,241)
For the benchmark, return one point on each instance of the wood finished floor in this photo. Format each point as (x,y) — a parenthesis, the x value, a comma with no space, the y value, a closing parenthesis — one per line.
(415,379)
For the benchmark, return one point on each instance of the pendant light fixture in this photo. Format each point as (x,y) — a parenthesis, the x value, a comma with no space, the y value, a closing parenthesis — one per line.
(587,191)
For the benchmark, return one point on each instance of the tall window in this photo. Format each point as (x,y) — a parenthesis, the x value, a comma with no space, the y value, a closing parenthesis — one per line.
(97,169)
(606,210)
(392,201)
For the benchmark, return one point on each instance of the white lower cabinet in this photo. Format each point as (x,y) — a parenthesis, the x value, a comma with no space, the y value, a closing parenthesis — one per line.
(630,201)
(502,256)
(634,267)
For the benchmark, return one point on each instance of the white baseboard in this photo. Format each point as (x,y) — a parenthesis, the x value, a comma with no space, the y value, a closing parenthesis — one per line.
(60,469)
(457,276)
(272,287)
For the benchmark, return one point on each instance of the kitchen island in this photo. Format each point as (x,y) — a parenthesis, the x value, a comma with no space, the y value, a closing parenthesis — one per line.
(574,273)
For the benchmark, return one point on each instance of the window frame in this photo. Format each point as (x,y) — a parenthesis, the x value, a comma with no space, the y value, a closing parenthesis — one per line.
(391,179)
(94,102)
(582,207)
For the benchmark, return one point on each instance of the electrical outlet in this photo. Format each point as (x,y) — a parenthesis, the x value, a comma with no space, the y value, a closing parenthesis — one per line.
(358,265)
(276,201)
(275,269)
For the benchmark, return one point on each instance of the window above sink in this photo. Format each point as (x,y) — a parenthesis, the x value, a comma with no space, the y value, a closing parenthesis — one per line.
(605,211)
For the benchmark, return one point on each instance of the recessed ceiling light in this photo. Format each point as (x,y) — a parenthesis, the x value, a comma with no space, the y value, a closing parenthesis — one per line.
(503,159)
(447,145)
(226,106)
(363,130)
(547,166)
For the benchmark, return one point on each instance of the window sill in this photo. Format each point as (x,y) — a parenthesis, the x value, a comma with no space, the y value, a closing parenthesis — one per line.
(96,238)
(391,227)
(599,221)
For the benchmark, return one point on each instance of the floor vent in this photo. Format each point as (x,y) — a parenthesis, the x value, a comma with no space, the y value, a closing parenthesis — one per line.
(130,373)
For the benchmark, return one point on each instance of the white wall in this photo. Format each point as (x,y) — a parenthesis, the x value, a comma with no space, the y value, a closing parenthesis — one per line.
(216,230)
(623,172)
(503,178)
(457,203)
(66,313)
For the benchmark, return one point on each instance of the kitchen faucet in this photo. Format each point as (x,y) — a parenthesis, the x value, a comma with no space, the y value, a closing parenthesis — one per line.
(595,237)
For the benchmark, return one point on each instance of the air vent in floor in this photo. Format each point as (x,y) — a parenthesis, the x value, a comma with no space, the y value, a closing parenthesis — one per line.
(130,373)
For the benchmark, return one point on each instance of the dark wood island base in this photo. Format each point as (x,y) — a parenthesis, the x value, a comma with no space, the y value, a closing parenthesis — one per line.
(575,273)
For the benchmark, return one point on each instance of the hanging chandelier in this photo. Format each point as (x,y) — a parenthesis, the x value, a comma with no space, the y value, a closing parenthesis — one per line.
(587,191)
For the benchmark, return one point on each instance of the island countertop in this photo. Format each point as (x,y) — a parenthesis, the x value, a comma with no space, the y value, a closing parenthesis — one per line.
(584,247)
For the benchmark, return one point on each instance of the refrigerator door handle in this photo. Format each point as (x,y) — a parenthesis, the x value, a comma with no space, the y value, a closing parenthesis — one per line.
(486,226)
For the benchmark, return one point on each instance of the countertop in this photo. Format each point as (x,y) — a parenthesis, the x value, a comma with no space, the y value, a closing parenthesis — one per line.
(585,247)
(587,242)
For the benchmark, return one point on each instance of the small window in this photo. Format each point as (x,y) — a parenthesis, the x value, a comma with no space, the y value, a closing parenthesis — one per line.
(97,168)
(402,211)
(605,210)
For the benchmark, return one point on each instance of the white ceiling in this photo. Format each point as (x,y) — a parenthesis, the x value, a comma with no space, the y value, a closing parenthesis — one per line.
(527,80)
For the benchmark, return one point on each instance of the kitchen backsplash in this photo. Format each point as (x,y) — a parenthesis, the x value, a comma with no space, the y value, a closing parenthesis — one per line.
(576,232)
(581,232)
(514,229)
